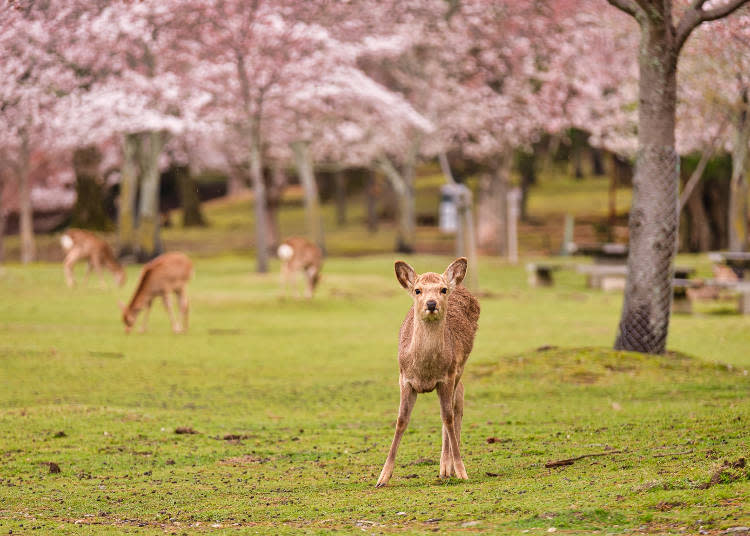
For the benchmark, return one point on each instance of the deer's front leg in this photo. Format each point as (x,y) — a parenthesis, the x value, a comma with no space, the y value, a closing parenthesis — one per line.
(408,398)
(446,393)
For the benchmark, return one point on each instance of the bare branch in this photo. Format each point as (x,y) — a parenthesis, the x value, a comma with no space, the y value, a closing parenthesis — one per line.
(628,6)
(696,15)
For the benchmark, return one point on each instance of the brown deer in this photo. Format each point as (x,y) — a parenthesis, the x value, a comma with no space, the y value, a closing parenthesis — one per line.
(165,274)
(79,244)
(435,340)
(298,254)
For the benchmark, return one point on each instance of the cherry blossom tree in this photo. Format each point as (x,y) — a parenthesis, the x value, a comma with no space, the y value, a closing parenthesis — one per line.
(644,323)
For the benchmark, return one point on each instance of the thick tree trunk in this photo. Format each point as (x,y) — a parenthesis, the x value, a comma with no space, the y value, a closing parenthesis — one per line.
(259,193)
(149,226)
(597,163)
(371,201)
(189,200)
(612,196)
(89,210)
(493,207)
(340,180)
(313,217)
(644,322)
(403,185)
(578,142)
(738,189)
(126,213)
(2,222)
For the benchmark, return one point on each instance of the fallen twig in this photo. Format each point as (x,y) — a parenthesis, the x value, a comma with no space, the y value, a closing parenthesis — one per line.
(569,461)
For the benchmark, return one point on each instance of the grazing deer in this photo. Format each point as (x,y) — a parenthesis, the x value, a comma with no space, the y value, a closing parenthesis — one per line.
(298,254)
(436,338)
(165,274)
(79,244)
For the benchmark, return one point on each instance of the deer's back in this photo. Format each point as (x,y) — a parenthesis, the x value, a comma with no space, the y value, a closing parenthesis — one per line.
(305,253)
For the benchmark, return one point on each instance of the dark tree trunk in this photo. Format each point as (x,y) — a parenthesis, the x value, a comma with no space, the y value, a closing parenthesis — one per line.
(189,200)
(527,169)
(698,226)
(3,216)
(644,323)
(578,146)
(340,181)
(89,211)
(597,162)
(25,209)
(371,200)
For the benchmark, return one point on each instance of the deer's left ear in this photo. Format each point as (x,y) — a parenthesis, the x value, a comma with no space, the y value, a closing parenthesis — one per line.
(455,273)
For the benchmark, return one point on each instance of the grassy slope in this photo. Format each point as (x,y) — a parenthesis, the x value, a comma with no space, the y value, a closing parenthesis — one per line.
(313,387)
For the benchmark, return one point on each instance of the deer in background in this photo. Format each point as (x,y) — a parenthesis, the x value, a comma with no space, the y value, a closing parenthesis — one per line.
(298,254)
(435,341)
(79,244)
(165,274)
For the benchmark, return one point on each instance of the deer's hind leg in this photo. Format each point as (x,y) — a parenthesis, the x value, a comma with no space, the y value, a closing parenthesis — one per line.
(446,457)
(408,398)
(446,392)
(172,320)
(184,305)
(70,260)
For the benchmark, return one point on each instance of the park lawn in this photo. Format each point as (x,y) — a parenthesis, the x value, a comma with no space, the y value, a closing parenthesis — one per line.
(309,390)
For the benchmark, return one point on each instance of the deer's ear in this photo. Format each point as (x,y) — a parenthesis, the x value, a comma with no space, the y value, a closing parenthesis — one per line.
(405,275)
(455,273)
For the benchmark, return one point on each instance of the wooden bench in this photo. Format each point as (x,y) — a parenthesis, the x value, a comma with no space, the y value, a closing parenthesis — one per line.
(541,274)
(604,276)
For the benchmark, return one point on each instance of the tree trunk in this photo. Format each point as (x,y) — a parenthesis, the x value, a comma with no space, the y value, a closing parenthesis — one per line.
(597,163)
(189,200)
(698,226)
(644,321)
(275,191)
(738,189)
(612,197)
(89,210)
(25,209)
(340,180)
(371,200)
(2,221)
(527,169)
(313,217)
(578,142)
(126,213)
(259,192)
(403,185)
(149,226)
(493,207)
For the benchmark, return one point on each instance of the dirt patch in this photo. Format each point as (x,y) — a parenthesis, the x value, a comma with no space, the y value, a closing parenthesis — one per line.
(727,473)
(184,430)
(52,466)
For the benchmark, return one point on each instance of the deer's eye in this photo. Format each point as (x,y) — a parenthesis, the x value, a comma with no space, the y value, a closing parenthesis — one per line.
(443,290)
(417,291)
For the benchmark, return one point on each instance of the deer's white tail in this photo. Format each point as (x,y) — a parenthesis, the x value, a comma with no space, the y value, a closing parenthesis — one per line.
(66,242)
(285,252)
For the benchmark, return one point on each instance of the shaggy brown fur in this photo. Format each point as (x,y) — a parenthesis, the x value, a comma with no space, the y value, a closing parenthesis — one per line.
(436,339)
(78,245)
(165,274)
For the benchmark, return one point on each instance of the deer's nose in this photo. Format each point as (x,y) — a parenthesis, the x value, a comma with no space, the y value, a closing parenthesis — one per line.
(431,305)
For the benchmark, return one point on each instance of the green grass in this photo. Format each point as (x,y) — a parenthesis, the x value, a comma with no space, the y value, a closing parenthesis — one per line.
(311,389)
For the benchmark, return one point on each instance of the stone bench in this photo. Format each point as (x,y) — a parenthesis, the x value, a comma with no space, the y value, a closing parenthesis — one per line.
(684,304)
(604,276)
(541,274)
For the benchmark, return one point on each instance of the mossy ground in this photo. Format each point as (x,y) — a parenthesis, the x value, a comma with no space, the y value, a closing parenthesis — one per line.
(310,390)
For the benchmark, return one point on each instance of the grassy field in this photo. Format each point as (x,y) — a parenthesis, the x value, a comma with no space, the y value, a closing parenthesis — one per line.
(294,402)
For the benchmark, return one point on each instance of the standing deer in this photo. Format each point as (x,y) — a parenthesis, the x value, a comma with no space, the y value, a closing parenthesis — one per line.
(165,274)
(298,254)
(435,340)
(79,244)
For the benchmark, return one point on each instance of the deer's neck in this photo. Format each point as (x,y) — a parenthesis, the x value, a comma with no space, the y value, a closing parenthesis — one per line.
(428,339)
